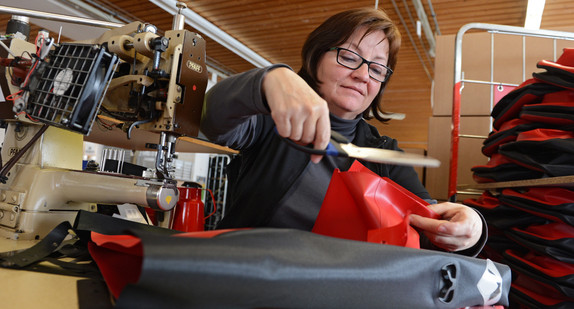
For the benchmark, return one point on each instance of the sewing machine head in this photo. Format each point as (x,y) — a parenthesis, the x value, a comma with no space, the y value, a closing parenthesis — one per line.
(139,77)
(130,79)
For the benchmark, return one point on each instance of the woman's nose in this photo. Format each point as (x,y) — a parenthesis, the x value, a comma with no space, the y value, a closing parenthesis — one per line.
(362,72)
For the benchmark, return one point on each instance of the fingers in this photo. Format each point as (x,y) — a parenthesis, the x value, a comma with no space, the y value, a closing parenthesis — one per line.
(322,137)
(437,233)
(299,113)
(459,228)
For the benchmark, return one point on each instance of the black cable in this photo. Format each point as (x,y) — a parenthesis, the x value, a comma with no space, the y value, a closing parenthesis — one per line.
(6,168)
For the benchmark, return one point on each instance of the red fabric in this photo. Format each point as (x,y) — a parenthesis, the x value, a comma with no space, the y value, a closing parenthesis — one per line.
(486,200)
(547,195)
(542,293)
(567,57)
(360,205)
(544,134)
(546,119)
(543,263)
(497,137)
(496,160)
(557,97)
(565,62)
(500,91)
(519,100)
(119,258)
(550,231)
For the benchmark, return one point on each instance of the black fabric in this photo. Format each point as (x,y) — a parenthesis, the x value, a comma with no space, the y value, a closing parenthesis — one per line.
(269,168)
(38,252)
(284,268)
(496,245)
(542,268)
(547,117)
(299,207)
(510,130)
(557,75)
(235,116)
(552,156)
(499,168)
(59,252)
(529,92)
(559,115)
(566,291)
(530,293)
(507,133)
(87,222)
(526,200)
(556,109)
(560,247)
(500,215)
(562,107)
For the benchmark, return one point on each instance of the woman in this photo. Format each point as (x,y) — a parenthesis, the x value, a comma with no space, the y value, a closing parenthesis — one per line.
(347,61)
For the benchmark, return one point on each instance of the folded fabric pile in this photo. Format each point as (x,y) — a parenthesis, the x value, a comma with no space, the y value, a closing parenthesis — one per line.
(531,229)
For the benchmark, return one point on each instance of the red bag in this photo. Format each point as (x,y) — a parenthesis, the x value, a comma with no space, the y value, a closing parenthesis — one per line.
(361,205)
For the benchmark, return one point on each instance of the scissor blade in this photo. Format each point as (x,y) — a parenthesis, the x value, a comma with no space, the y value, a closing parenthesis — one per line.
(389,156)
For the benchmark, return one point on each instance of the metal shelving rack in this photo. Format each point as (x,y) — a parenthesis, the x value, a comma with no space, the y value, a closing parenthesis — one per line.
(217,184)
(494,245)
(459,85)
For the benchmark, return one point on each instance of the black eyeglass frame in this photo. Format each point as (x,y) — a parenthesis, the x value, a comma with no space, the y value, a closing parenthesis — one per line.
(389,71)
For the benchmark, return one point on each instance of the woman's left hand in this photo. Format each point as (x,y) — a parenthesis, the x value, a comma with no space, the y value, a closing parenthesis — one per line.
(459,228)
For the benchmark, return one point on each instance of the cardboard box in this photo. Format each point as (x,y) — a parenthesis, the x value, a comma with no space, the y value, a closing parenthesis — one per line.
(514,59)
(475,65)
(439,147)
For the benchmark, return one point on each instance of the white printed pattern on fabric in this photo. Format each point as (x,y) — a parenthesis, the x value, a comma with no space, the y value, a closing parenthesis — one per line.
(490,284)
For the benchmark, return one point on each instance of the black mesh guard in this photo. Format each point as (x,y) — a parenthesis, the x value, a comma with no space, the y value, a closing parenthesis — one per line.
(68,88)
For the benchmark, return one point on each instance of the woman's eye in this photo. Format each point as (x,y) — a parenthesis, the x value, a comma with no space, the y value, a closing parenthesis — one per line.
(376,70)
(349,58)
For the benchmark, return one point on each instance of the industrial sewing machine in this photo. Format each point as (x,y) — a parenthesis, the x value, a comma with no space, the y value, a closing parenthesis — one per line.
(131,79)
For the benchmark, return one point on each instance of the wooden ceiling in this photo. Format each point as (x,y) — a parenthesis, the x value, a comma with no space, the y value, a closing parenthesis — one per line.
(277,29)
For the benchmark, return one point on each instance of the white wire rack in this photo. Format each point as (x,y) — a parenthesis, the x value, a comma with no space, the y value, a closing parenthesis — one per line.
(459,81)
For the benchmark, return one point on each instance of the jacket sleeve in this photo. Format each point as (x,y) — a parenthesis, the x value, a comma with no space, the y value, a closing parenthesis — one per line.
(231,109)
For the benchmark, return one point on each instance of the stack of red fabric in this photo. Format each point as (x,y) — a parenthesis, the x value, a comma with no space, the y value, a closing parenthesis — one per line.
(531,228)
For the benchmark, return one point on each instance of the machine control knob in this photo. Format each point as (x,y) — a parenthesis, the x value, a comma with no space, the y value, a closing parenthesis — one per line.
(179,19)
(162,197)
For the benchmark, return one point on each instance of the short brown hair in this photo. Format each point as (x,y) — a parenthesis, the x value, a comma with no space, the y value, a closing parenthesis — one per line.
(335,31)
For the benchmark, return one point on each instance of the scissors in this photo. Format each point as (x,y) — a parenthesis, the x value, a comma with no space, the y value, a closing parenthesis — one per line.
(339,146)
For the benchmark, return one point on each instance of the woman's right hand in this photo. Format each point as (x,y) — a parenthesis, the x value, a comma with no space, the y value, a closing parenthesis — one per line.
(300,114)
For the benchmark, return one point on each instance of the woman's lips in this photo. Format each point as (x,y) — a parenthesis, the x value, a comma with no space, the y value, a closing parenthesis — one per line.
(359,90)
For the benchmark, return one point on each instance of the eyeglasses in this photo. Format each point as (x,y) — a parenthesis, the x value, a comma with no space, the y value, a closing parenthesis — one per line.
(353,61)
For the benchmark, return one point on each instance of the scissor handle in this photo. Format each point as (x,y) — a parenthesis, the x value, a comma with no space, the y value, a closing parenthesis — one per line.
(333,148)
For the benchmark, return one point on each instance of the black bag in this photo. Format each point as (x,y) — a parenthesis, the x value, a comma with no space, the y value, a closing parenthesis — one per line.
(552,203)
(283,268)
(499,215)
(533,294)
(549,151)
(500,168)
(553,239)
(559,73)
(543,268)
(529,92)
